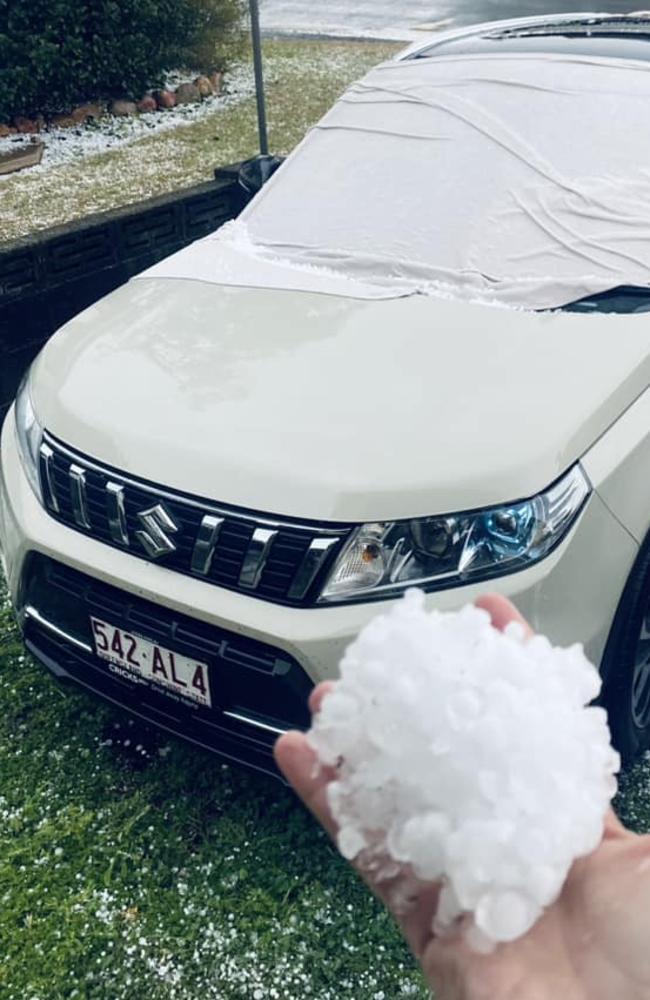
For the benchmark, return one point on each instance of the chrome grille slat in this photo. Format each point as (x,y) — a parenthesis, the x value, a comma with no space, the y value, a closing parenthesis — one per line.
(116,513)
(274,559)
(47,466)
(78,496)
(256,557)
(309,567)
(205,544)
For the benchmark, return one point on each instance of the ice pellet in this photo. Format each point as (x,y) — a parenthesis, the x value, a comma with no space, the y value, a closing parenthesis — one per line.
(351,842)
(469,756)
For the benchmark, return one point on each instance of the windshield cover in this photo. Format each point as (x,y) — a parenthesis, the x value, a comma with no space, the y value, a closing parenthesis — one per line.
(520,180)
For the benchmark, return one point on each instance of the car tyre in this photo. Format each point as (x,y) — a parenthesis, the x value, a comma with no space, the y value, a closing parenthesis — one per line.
(626,665)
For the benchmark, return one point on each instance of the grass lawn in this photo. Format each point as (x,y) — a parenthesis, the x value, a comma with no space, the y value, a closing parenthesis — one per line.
(304,78)
(126,875)
(135,867)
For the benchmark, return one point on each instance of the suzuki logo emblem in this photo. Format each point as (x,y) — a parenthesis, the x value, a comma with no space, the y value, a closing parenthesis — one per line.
(157,525)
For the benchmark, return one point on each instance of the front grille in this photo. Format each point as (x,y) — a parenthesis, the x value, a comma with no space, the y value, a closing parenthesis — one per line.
(273,559)
(257,690)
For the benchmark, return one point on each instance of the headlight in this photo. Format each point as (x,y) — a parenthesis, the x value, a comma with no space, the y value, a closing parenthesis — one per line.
(30,434)
(380,560)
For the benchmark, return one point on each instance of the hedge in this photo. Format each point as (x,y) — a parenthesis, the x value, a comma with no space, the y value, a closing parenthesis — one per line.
(57,53)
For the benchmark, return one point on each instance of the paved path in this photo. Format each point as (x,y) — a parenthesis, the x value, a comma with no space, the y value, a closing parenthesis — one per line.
(399,18)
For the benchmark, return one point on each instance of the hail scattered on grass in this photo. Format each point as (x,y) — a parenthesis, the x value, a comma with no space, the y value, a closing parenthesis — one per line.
(118,161)
(134,867)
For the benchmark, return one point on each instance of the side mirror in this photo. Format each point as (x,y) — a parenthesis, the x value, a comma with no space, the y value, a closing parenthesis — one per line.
(253,174)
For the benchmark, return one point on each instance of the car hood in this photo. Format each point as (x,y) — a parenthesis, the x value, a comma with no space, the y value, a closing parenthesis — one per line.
(317,406)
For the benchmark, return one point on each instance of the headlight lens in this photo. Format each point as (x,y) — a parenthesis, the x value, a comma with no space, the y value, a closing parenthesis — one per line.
(30,435)
(383,559)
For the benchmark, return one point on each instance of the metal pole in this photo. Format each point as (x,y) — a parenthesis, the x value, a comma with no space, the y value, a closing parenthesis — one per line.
(259,76)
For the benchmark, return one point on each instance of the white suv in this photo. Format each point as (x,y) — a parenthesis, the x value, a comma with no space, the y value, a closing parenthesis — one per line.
(420,357)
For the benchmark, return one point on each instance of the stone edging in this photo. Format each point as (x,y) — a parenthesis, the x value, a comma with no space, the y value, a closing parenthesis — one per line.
(158,100)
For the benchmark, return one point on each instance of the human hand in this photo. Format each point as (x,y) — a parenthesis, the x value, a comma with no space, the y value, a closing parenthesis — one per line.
(592,944)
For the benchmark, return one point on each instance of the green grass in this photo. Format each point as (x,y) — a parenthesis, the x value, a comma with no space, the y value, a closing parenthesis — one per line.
(633,801)
(162,874)
(303,79)
(165,875)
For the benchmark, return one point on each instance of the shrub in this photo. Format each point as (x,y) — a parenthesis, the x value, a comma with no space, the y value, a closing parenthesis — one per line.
(211,29)
(55,53)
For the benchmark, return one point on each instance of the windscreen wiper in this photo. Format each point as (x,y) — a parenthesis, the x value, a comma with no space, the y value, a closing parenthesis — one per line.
(622,299)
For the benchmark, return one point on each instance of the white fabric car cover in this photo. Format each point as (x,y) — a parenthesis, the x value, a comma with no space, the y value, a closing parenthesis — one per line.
(518,179)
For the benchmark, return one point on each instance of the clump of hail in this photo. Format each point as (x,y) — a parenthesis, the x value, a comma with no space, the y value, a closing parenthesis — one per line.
(469,756)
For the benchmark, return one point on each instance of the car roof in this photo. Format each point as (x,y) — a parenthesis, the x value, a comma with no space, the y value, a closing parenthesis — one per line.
(613,36)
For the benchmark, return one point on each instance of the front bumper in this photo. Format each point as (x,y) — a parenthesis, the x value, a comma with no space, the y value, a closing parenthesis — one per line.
(257,692)
(570,596)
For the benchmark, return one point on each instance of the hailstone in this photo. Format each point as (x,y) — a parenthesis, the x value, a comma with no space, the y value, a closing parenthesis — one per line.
(468,756)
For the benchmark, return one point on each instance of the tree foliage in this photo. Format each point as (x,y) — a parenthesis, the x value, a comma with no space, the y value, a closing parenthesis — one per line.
(55,53)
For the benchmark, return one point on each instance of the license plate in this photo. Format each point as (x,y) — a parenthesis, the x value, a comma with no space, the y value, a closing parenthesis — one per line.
(144,662)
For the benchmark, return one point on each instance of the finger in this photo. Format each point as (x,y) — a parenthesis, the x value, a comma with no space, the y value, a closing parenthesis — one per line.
(417,922)
(300,766)
(502,612)
(317,695)
(613,827)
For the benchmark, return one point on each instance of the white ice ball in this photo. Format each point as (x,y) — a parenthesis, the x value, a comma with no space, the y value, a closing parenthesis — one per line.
(467,755)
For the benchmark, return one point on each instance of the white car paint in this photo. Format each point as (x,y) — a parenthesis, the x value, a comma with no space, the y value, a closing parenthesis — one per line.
(336,409)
